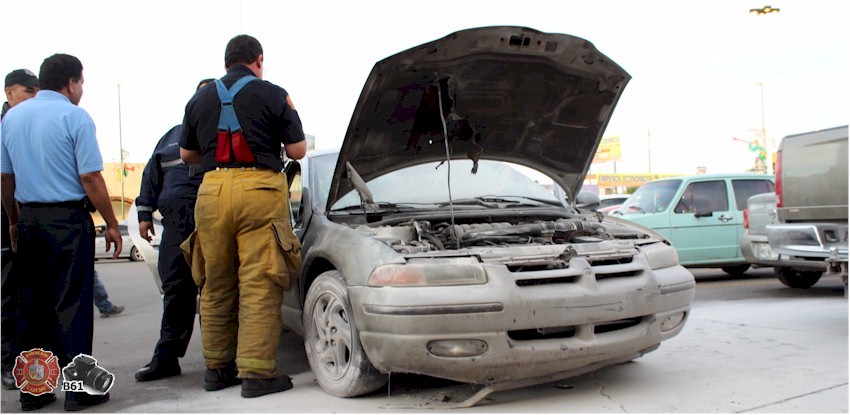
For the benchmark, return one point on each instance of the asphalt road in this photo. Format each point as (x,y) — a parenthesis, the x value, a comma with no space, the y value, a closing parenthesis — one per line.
(750,345)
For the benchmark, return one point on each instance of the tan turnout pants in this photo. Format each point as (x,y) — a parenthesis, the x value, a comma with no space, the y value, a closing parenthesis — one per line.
(248,257)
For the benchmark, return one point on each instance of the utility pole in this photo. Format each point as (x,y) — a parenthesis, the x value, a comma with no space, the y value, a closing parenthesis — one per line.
(648,150)
(121,145)
(767,142)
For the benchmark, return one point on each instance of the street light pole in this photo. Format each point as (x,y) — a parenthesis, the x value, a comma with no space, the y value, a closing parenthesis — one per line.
(121,148)
(648,150)
(767,142)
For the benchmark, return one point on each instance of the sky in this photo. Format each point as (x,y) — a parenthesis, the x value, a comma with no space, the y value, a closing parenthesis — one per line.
(699,69)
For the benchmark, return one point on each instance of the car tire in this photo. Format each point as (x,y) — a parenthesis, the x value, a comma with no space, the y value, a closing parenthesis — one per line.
(736,269)
(332,341)
(135,255)
(797,279)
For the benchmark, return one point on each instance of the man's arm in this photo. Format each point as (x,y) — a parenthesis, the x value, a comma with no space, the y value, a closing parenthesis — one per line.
(7,187)
(190,156)
(97,193)
(296,151)
(148,200)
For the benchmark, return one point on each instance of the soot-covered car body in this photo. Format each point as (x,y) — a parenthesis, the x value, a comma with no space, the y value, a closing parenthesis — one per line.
(467,269)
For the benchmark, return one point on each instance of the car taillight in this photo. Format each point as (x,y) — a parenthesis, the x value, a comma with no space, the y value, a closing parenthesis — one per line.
(778,172)
(746,219)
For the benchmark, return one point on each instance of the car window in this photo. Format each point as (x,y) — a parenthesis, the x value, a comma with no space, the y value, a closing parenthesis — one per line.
(427,184)
(745,188)
(321,174)
(686,203)
(708,196)
(295,196)
(651,197)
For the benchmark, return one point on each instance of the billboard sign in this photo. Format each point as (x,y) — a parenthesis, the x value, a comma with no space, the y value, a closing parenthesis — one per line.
(609,150)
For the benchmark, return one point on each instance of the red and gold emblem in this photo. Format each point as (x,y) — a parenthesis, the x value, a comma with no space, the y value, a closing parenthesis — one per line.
(36,372)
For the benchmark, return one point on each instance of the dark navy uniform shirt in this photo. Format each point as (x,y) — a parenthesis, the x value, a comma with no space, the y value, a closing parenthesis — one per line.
(168,185)
(265,114)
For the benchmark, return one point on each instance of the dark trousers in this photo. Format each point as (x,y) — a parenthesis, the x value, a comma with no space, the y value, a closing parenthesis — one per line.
(179,293)
(56,253)
(9,310)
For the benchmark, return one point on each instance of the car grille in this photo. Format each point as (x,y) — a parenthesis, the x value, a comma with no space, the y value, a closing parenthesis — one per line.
(608,269)
(566,332)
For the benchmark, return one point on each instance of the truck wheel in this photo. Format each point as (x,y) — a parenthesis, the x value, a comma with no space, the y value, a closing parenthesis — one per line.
(797,279)
(736,269)
(332,340)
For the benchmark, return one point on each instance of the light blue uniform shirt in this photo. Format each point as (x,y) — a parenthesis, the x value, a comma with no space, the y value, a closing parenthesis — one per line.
(47,143)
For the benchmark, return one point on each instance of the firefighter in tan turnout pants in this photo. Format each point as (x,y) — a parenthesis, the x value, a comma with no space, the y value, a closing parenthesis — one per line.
(243,252)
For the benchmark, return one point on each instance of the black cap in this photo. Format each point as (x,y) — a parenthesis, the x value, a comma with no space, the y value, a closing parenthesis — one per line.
(24,77)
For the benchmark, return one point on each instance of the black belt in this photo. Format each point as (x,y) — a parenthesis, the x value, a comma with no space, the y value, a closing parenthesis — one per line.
(72,204)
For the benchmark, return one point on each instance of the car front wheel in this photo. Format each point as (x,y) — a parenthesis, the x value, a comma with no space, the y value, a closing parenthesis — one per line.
(332,340)
(736,269)
(797,279)
(135,255)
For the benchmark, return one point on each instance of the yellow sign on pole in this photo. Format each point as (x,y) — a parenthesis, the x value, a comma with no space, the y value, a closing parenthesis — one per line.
(609,150)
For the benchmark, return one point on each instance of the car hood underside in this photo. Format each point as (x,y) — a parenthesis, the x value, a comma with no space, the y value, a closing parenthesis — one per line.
(503,93)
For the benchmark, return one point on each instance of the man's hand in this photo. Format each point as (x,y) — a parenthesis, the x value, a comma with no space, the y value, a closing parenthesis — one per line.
(113,236)
(13,236)
(146,230)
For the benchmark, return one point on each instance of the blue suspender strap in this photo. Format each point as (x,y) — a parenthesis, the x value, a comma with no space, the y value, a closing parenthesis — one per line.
(227,121)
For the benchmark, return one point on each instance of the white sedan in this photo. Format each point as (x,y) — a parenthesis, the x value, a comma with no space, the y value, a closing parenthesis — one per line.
(128,250)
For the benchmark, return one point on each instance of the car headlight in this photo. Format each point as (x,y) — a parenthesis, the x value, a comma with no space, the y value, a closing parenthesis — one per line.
(429,272)
(660,255)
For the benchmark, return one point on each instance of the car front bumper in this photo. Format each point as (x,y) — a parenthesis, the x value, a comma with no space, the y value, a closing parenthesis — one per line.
(522,325)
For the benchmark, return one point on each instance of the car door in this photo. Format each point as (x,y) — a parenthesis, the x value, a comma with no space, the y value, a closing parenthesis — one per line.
(742,190)
(703,225)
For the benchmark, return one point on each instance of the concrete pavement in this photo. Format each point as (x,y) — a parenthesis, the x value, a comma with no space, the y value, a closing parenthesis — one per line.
(765,355)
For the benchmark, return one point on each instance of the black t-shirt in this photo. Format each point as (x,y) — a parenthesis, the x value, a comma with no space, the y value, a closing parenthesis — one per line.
(265,114)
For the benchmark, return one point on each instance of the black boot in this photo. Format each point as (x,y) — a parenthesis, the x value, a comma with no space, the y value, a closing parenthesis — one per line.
(33,403)
(218,379)
(8,380)
(156,370)
(252,387)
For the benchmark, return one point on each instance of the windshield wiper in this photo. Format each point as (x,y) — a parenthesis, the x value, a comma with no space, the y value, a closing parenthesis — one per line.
(500,202)
(636,207)
(376,207)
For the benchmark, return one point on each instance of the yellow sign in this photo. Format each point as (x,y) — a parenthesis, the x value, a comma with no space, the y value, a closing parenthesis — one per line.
(628,180)
(609,150)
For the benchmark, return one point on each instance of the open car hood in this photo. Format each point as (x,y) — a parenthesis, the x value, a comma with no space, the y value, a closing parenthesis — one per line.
(506,93)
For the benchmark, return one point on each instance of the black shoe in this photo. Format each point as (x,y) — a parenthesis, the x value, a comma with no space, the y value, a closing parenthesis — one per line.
(76,401)
(8,380)
(115,310)
(32,403)
(218,379)
(157,370)
(252,387)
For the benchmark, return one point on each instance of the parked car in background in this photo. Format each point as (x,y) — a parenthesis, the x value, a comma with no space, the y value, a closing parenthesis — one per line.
(701,215)
(610,203)
(128,249)
(810,232)
(760,212)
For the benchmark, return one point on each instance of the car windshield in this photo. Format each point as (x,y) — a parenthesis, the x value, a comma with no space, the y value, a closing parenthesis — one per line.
(426,184)
(651,197)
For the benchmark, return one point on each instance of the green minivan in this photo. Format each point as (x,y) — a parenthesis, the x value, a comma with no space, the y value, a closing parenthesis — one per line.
(702,215)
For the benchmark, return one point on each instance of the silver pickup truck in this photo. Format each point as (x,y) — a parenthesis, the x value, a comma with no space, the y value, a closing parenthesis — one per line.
(802,229)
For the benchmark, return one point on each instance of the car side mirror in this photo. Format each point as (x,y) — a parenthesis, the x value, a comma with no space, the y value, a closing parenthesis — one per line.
(587,200)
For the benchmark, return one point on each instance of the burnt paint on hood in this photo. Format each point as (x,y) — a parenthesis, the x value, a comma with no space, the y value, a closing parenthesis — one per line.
(508,93)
